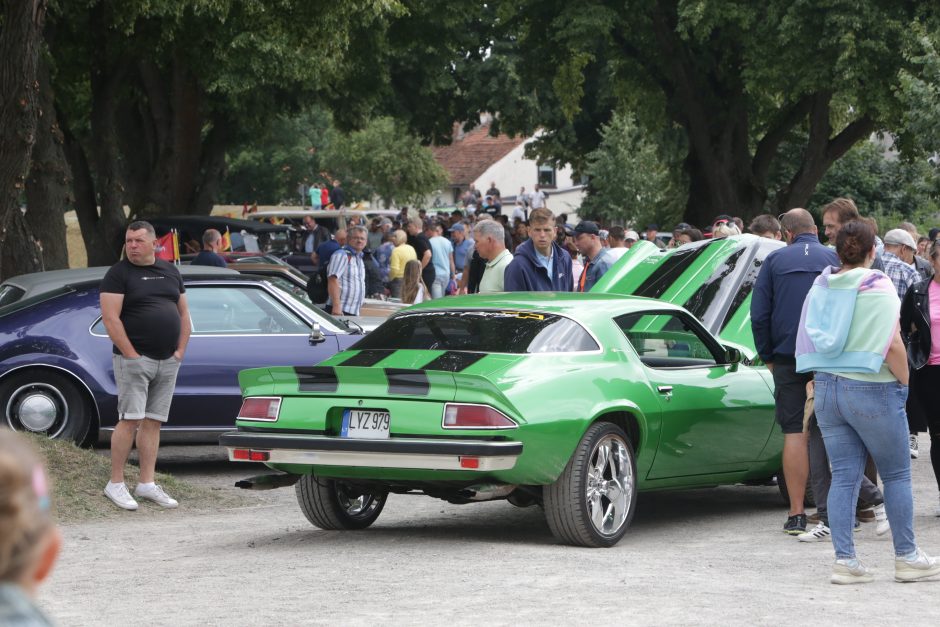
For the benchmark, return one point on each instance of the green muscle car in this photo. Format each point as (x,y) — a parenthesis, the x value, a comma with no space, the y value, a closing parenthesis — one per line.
(573,402)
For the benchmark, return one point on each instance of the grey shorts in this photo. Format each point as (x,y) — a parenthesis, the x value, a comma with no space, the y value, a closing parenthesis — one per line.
(145,387)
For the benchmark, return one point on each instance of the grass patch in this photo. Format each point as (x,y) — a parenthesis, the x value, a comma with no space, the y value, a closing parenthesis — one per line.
(78,476)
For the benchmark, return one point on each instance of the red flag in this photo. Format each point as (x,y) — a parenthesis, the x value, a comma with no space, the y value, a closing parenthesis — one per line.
(164,248)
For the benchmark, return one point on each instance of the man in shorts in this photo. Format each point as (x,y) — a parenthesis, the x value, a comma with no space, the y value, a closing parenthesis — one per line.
(143,307)
(776,304)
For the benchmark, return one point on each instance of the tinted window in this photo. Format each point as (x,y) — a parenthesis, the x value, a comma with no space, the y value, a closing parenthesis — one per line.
(484,331)
(668,271)
(666,340)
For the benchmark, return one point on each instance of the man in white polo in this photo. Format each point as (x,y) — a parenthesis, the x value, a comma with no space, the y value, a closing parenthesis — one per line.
(491,245)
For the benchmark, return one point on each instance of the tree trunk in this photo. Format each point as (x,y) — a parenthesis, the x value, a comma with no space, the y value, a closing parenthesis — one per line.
(49,182)
(20,40)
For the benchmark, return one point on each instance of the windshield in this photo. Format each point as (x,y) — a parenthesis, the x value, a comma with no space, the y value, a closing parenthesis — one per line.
(518,332)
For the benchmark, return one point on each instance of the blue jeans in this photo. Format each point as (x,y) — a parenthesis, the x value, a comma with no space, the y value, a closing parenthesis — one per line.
(854,416)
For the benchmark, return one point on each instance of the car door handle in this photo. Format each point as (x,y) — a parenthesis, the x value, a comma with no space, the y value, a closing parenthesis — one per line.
(665,390)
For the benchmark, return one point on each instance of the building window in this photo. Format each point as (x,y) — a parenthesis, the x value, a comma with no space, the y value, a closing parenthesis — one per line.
(546,176)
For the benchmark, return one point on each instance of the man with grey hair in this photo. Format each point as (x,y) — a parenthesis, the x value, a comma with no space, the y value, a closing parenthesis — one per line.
(489,236)
(209,255)
(776,304)
(144,310)
(923,267)
(346,275)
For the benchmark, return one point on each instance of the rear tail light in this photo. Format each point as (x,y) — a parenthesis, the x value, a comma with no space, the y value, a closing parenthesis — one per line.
(260,408)
(248,455)
(461,416)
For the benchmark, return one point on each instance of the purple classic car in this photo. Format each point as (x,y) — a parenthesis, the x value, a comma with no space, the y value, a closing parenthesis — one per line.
(55,355)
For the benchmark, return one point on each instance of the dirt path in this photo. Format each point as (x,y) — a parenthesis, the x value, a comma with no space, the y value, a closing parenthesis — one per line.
(703,557)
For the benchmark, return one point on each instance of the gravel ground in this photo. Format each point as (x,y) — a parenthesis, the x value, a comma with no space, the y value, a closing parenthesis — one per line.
(703,557)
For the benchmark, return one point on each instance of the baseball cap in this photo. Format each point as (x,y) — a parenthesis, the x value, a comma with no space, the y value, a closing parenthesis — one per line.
(631,235)
(458,227)
(586,226)
(385,222)
(604,234)
(900,236)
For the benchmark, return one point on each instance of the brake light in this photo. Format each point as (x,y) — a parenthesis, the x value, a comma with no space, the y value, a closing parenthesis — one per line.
(461,416)
(260,408)
(248,455)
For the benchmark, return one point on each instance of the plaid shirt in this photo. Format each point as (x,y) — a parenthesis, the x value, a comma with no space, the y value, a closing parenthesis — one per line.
(903,275)
(350,271)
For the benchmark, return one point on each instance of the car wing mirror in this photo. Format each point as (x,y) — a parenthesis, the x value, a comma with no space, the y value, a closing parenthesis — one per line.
(316,335)
(732,355)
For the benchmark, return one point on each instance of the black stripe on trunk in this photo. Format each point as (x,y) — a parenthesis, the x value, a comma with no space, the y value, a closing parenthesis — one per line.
(316,378)
(454,361)
(405,381)
(367,358)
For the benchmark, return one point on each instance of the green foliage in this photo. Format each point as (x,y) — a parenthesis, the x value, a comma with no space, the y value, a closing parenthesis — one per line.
(633,178)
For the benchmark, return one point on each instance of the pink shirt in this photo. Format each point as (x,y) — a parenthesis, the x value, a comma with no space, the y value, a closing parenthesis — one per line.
(933,292)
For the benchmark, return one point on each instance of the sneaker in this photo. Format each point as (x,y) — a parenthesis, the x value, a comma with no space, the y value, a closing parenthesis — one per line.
(920,566)
(155,493)
(795,524)
(119,495)
(881,518)
(914,451)
(818,533)
(848,571)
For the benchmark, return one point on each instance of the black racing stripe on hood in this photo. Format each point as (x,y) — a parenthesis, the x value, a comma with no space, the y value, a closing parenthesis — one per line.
(454,361)
(316,378)
(367,358)
(406,381)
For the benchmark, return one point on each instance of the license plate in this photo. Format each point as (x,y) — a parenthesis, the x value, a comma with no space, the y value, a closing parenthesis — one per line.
(366,424)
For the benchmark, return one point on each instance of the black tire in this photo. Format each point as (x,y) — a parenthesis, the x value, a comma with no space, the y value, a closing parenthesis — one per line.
(334,505)
(568,506)
(44,401)
(809,500)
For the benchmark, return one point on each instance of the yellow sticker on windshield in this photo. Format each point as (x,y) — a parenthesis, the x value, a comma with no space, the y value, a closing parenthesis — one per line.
(524,315)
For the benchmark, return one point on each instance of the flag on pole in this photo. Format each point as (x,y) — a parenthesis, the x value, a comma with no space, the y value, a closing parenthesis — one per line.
(226,241)
(168,247)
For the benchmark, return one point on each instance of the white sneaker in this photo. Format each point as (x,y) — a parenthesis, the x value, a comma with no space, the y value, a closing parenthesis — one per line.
(848,571)
(818,533)
(155,493)
(914,452)
(920,567)
(881,518)
(119,495)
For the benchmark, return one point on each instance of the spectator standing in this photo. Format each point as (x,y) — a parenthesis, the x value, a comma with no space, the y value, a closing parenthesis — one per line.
(29,539)
(494,191)
(842,211)
(442,256)
(538,199)
(849,336)
(324,197)
(383,257)
(918,260)
(325,250)
(346,275)
(209,255)
(630,238)
(490,244)
(316,202)
(143,307)
(337,195)
(314,235)
(781,287)
(375,233)
(520,233)
(401,255)
(920,329)
(540,264)
(652,235)
(767,226)
(422,248)
(462,245)
(413,290)
(475,193)
(520,212)
(597,261)
(618,243)
(687,236)
(492,207)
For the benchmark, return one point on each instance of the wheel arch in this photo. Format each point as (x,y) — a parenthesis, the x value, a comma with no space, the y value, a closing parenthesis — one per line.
(626,419)
(82,386)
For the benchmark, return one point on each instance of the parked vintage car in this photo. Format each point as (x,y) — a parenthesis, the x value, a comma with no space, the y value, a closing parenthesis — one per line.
(55,356)
(265,238)
(571,401)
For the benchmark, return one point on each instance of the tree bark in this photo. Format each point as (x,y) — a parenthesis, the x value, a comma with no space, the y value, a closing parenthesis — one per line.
(49,182)
(20,41)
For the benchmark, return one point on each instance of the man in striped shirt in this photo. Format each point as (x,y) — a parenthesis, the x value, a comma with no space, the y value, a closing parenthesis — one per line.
(346,275)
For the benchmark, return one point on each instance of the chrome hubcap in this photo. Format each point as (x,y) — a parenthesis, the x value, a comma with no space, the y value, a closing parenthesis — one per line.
(610,485)
(37,407)
(357,505)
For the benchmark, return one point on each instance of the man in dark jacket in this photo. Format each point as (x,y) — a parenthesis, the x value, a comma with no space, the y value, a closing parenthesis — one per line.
(781,287)
(539,264)
(337,196)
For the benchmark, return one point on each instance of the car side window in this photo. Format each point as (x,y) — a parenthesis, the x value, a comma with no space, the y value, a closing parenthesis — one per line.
(217,310)
(666,340)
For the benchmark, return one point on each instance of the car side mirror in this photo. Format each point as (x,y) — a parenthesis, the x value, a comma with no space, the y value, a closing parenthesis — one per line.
(732,355)
(316,335)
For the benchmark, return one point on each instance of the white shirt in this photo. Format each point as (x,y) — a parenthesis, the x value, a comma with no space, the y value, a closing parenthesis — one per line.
(617,253)
(494,275)
(538,199)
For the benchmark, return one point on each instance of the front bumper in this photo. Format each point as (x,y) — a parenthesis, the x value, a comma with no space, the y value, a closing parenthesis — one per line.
(316,450)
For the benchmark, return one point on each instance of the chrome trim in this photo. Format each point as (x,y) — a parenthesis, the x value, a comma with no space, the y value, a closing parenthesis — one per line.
(91,395)
(515,424)
(378,460)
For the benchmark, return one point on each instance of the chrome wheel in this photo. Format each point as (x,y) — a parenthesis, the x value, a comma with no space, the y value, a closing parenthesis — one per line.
(609,492)
(355,505)
(37,407)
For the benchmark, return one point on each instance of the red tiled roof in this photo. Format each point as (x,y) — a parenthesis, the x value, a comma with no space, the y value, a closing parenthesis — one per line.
(468,157)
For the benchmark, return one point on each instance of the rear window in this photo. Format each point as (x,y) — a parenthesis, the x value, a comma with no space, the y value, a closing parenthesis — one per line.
(518,332)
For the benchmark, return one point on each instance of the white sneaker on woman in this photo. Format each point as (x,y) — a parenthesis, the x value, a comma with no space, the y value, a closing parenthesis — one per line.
(919,567)
(881,518)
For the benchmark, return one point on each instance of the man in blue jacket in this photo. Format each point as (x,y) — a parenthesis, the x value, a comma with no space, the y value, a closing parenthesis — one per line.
(539,264)
(777,302)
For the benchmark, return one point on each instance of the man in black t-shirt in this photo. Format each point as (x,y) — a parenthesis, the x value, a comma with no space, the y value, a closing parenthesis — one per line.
(143,307)
(422,245)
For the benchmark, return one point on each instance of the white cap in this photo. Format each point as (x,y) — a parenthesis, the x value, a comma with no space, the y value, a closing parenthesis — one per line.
(631,235)
(900,236)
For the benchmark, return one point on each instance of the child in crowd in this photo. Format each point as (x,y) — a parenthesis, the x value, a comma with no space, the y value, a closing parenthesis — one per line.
(413,289)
